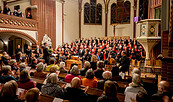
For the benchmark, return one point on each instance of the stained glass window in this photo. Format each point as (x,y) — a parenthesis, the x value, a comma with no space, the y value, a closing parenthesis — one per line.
(86,13)
(120,12)
(99,14)
(92,13)
(113,13)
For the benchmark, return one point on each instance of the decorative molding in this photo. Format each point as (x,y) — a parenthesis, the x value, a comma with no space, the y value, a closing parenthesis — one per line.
(9,21)
(3,30)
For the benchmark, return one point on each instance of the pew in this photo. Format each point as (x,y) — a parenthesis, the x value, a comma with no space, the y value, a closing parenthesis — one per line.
(46,98)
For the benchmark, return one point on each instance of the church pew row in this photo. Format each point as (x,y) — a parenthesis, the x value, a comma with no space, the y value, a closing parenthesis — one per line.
(46,98)
(90,91)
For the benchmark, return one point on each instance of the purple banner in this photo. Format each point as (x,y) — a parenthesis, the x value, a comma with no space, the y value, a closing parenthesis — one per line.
(136,19)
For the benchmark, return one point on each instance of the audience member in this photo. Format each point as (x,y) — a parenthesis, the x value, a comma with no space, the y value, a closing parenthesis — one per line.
(29,16)
(62,67)
(6,74)
(90,80)
(51,87)
(98,72)
(133,88)
(22,66)
(74,72)
(8,92)
(19,13)
(6,9)
(163,91)
(86,67)
(107,75)
(75,93)
(25,82)
(39,71)
(52,63)
(110,93)
(34,63)
(32,95)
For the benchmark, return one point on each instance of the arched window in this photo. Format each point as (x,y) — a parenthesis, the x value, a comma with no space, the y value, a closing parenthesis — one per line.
(99,14)
(87,13)
(113,13)
(92,13)
(120,12)
(126,12)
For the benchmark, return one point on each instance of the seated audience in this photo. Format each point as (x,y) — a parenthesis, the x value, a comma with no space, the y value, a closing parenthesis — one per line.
(22,66)
(133,88)
(62,67)
(34,63)
(90,80)
(6,74)
(39,71)
(15,13)
(110,93)
(19,13)
(98,72)
(52,63)
(86,67)
(74,72)
(8,92)
(32,95)
(163,92)
(25,82)
(51,87)
(6,9)
(13,65)
(107,75)
(29,16)
(75,93)
(5,58)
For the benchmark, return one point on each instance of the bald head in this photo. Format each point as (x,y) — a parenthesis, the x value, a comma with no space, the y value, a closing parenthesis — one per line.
(75,82)
(163,86)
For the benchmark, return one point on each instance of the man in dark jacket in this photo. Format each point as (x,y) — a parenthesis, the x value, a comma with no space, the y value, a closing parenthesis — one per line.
(6,9)
(46,53)
(124,65)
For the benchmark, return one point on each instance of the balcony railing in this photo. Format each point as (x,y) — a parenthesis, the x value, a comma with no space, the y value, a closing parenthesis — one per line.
(13,22)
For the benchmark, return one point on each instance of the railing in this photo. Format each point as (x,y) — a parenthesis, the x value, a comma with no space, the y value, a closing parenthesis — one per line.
(10,21)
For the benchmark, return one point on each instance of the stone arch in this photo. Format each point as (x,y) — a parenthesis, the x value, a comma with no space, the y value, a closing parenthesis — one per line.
(20,34)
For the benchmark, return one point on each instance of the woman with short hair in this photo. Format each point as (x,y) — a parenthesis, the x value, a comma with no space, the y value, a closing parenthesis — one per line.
(51,87)
(74,72)
(90,80)
(25,82)
(6,74)
(39,71)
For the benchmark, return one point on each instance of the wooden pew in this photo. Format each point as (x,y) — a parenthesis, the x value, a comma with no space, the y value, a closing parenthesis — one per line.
(46,98)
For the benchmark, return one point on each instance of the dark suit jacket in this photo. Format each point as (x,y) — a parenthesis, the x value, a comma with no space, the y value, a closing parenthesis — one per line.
(46,54)
(124,63)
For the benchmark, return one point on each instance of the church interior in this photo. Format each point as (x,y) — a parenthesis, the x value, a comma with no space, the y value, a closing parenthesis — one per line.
(86,50)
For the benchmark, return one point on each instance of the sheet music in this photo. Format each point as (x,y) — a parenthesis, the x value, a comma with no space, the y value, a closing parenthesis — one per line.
(19,90)
(57,100)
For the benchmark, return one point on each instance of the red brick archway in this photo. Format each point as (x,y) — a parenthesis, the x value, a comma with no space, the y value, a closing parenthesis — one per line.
(20,34)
